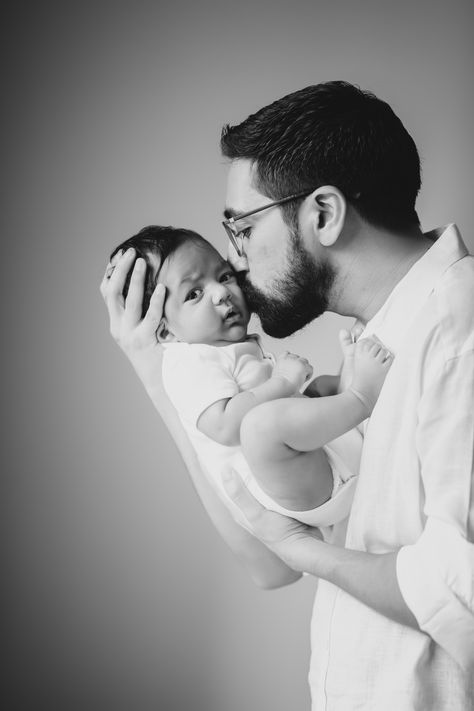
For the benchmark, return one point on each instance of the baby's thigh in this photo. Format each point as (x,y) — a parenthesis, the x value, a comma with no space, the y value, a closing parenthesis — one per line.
(298,481)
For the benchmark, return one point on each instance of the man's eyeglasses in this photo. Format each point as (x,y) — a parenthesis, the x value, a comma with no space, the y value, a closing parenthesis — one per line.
(236,236)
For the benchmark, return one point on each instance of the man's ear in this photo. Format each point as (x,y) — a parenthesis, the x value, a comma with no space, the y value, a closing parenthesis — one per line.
(328,213)
(163,333)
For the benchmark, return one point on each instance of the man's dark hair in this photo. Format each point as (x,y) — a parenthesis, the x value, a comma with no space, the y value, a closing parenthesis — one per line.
(332,133)
(161,242)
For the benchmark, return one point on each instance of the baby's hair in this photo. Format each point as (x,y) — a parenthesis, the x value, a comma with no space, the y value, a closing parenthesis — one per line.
(161,242)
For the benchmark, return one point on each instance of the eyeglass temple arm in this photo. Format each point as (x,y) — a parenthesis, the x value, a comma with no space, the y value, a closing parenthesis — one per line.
(264,207)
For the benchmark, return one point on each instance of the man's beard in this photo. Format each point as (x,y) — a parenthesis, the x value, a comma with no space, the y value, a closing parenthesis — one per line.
(298,297)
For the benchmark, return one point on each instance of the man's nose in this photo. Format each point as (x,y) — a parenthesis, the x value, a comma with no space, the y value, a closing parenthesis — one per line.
(239,264)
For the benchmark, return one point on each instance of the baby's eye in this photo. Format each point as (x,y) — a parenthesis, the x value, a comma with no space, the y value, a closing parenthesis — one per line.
(193,295)
(227,276)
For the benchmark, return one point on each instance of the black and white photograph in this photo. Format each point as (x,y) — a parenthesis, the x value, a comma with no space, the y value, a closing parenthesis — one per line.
(238,349)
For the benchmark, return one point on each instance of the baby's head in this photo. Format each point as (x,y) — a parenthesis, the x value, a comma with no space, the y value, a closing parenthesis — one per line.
(204,303)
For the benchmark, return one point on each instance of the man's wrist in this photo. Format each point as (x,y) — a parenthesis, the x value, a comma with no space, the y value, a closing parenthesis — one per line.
(313,558)
(147,365)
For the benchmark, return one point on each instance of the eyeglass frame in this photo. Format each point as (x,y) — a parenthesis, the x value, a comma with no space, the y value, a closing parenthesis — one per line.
(230,222)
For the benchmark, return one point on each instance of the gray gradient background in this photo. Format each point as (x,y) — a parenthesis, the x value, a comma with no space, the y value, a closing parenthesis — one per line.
(121,595)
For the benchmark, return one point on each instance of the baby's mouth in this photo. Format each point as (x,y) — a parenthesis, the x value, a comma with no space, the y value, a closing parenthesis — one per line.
(231,314)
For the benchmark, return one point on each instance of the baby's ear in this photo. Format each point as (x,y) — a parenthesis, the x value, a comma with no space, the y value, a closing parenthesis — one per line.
(163,333)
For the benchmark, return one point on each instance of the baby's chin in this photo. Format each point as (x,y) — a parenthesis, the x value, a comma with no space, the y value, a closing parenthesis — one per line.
(233,334)
(237,333)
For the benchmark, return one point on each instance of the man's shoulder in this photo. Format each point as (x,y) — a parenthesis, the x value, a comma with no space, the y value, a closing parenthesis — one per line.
(453,305)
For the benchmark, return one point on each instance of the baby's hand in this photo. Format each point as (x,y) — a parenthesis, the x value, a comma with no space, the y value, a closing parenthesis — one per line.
(293,368)
(372,361)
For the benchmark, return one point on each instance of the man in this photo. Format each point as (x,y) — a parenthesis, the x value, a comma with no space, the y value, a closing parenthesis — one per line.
(321,216)
(351,243)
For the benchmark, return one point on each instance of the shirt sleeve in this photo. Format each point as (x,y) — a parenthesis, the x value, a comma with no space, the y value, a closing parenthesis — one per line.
(195,377)
(436,574)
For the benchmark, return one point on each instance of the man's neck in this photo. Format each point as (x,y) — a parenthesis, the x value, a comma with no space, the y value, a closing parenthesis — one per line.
(368,273)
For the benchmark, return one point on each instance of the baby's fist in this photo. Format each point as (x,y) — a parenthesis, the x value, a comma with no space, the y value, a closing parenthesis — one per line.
(294,368)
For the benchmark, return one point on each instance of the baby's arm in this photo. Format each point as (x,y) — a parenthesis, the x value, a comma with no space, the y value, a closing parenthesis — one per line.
(221,421)
(307,424)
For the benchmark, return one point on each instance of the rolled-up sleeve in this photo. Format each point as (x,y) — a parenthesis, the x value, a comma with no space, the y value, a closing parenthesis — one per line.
(436,574)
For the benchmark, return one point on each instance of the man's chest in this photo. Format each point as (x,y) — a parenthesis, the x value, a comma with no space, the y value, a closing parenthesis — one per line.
(387,511)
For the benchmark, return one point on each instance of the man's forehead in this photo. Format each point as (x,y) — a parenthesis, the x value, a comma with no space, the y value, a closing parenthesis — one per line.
(241,194)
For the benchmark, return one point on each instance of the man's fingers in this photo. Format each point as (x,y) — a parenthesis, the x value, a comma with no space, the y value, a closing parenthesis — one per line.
(241,496)
(112,285)
(109,270)
(136,290)
(155,310)
(105,282)
(116,275)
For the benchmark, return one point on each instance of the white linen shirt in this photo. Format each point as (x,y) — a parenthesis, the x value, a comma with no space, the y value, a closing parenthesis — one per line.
(414,495)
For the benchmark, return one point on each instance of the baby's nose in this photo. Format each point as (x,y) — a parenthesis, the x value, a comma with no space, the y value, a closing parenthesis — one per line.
(220,294)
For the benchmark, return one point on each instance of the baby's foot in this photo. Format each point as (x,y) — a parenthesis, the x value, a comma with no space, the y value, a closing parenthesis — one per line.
(371,363)
(347,340)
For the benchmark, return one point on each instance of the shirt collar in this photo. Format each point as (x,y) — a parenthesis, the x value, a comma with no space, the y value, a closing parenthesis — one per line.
(393,318)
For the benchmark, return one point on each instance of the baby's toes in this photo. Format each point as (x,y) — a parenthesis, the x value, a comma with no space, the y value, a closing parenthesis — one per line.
(383,356)
(374,348)
(364,345)
(388,360)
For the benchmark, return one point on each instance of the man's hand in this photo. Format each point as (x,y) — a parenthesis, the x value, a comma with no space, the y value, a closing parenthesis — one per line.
(370,578)
(290,540)
(135,335)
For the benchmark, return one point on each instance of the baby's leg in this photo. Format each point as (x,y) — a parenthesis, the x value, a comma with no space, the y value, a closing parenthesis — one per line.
(282,440)
(298,481)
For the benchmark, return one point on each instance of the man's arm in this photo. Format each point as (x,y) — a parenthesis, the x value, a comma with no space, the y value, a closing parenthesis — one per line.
(436,573)
(266,569)
(428,585)
(368,577)
(137,338)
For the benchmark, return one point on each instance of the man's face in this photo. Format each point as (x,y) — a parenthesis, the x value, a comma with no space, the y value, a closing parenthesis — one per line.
(204,303)
(284,284)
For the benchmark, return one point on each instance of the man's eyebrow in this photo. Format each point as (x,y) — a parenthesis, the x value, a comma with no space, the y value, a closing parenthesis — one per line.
(230,212)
